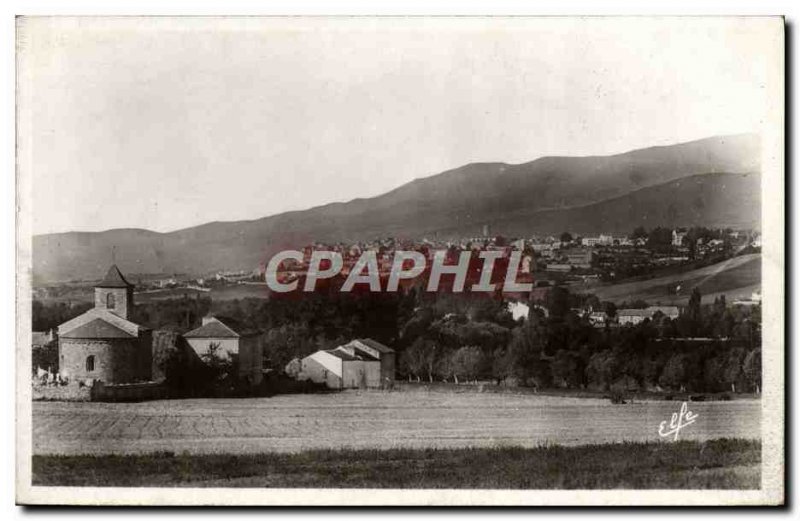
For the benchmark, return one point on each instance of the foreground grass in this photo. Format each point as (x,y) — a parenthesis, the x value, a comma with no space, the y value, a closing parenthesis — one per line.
(720,464)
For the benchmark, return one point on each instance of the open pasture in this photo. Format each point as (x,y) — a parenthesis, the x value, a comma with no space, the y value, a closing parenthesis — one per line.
(370,420)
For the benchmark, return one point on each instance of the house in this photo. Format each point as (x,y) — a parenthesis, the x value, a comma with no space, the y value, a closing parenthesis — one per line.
(637,316)
(518,310)
(103,343)
(369,347)
(626,317)
(598,319)
(602,240)
(242,345)
(671,312)
(677,236)
(579,257)
(359,363)
(340,370)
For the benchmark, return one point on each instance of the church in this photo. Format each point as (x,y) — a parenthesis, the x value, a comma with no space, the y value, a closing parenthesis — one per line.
(103,343)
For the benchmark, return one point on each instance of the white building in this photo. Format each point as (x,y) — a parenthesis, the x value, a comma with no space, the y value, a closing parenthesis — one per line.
(677,236)
(519,310)
(637,316)
(232,341)
(360,363)
(631,317)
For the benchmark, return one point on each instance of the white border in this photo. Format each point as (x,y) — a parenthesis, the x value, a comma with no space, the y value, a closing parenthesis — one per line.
(772,225)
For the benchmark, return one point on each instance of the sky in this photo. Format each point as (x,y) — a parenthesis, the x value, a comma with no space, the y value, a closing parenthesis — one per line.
(167,123)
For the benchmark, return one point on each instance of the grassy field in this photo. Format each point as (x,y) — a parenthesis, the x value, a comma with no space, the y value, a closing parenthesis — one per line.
(371,420)
(715,464)
(735,278)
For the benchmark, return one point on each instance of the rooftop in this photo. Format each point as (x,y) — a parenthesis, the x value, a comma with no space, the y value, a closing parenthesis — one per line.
(114,279)
(97,328)
(377,346)
(220,327)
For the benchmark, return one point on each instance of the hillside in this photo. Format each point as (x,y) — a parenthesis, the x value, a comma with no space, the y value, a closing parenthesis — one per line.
(550,194)
(735,278)
(713,200)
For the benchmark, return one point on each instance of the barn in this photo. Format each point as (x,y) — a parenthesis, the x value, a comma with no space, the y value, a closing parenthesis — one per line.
(361,363)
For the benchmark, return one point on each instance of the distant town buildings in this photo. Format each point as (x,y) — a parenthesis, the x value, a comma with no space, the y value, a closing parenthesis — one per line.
(636,316)
(678,235)
(519,310)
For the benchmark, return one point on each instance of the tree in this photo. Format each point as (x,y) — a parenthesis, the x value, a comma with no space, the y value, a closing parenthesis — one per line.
(639,233)
(602,369)
(282,344)
(566,369)
(419,359)
(659,239)
(751,367)
(220,365)
(466,361)
(674,374)
(566,237)
(558,302)
(693,311)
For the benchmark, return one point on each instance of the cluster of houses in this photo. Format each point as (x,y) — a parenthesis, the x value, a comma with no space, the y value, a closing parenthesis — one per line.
(601,319)
(632,317)
(105,345)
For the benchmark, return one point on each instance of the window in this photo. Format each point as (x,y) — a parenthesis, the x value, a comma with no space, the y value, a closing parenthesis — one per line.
(90,363)
(110,301)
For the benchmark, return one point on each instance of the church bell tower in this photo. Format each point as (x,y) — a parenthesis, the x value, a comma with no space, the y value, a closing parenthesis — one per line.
(114,294)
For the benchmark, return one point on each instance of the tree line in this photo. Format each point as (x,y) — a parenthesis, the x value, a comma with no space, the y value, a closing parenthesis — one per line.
(710,347)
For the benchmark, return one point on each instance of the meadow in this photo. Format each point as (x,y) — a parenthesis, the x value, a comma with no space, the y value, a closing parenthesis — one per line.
(716,464)
(371,420)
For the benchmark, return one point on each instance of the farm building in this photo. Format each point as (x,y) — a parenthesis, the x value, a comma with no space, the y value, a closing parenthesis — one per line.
(632,316)
(636,316)
(598,319)
(232,340)
(103,344)
(360,363)
(671,312)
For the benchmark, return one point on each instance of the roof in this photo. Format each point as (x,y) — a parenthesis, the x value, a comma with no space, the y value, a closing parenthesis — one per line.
(232,323)
(213,329)
(634,313)
(342,355)
(114,279)
(97,328)
(377,346)
(221,327)
(347,357)
(667,310)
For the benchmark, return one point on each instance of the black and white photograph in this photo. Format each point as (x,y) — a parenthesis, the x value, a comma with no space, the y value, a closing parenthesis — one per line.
(387,260)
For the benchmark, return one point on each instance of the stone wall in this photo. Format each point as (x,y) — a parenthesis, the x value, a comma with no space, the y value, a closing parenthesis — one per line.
(123,300)
(118,360)
(72,392)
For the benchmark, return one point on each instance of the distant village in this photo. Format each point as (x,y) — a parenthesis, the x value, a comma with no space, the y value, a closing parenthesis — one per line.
(567,258)
(102,354)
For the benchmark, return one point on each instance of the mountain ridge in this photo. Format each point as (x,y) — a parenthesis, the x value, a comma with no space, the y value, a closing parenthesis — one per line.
(511,198)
